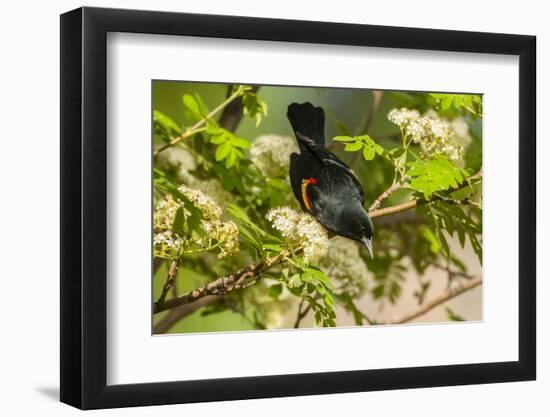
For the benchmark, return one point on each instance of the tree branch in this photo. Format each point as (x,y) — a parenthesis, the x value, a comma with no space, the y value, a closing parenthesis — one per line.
(170,280)
(391,189)
(248,275)
(386,211)
(301,313)
(442,298)
(237,280)
(182,311)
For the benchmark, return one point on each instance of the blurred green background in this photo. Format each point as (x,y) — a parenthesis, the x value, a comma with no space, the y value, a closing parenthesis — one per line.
(343,107)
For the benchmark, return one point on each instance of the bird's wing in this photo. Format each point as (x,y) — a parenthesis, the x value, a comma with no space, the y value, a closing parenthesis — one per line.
(303,167)
(327,158)
(351,175)
(334,190)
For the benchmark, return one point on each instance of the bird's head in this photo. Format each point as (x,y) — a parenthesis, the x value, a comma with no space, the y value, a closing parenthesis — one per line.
(354,223)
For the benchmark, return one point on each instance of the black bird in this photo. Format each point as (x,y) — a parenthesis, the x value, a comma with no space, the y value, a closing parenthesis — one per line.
(324,185)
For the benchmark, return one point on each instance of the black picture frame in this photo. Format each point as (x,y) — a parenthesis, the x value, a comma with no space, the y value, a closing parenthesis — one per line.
(84,207)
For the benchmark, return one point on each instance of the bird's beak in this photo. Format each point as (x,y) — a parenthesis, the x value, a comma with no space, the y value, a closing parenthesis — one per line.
(368,244)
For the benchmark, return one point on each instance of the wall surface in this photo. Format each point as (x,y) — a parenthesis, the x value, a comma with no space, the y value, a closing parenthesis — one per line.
(29,220)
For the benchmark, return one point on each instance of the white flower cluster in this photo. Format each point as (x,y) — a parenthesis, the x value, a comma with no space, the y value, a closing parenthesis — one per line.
(213,189)
(434,134)
(165,213)
(301,229)
(403,117)
(271,154)
(225,235)
(166,243)
(180,160)
(207,206)
(344,265)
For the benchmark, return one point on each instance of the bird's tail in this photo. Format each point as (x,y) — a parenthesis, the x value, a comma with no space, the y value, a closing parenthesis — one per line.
(308,122)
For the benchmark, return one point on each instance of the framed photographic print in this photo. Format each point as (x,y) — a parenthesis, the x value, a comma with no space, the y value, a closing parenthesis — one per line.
(293,207)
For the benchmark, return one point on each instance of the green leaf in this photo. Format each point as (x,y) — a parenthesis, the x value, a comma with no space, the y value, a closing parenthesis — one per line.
(343,139)
(446,102)
(278,183)
(315,273)
(369,153)
(239,143)
(272,247)
(329,302)
(365,142)
(192,221)
(231,158)
(238,213)
(192,105)
(275,290)
(420,294)
(430,237)
(389,274)
(438,174)
(158,176)
(254,106)
(378,291)
(212,127)
(164,126)
(353,146)
(463,103)
(202,107)
(453,219)
(250,238)
(223,150)
(248,227)
(218,139)
(230,148)
(239,153)
(294,281)
(452,316)
(346,299)
(177,226)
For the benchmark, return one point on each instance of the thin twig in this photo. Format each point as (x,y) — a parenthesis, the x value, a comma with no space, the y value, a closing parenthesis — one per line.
(440,299)
(170,280)
(198,126)
(365,125)
(391,189)
(452,272)
(301,314)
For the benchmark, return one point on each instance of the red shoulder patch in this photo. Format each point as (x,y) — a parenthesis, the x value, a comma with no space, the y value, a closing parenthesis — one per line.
(306,182)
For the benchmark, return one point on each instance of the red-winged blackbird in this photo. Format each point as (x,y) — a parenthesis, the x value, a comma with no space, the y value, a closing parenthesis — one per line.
(323,184)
